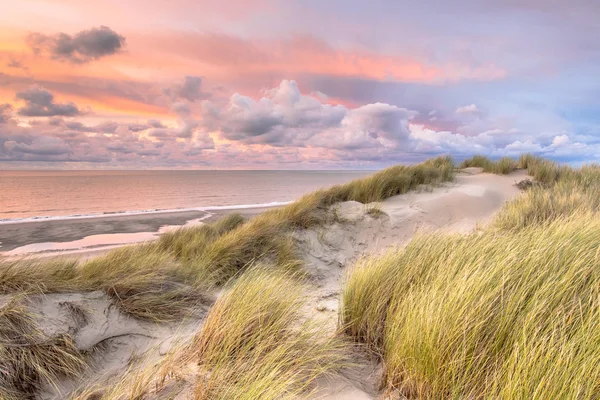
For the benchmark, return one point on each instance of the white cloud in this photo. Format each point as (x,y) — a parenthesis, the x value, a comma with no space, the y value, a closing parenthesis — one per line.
(469,109)
(560,140)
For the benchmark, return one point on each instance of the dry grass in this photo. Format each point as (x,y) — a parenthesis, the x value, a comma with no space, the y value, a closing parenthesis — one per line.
(28,357)
(254,344)
(510,313)
(209,255)
(277,356)
(486,316)
(503,166)
(561,192)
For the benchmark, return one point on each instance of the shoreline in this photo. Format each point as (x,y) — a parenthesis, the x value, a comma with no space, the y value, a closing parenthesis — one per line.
(19,234)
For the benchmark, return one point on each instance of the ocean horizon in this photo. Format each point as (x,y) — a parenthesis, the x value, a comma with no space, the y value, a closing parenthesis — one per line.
(37,195)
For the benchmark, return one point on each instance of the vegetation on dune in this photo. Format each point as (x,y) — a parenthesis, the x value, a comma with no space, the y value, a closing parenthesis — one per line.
(512,312)
(28,357)
(166,280)
(156,280)
(254,344)
(503,166)
(266,237)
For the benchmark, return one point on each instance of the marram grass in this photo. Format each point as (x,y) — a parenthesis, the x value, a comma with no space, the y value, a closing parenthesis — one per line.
(28,357)
(486,316)
(254,344)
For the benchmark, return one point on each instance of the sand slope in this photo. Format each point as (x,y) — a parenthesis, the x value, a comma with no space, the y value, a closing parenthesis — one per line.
(459,207)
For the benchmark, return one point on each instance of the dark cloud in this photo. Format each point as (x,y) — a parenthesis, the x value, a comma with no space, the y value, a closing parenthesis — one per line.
(83,47)
(154,123)
(5,111)
(15,64)
(137,127)
(39,102)
(283,117)
(190,89)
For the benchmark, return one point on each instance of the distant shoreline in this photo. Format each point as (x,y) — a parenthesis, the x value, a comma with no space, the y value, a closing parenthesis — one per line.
(17,234)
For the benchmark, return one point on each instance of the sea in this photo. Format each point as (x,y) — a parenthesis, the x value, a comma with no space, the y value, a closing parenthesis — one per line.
(62,195)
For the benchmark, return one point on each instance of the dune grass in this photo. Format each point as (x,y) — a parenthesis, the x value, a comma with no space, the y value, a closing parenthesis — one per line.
(254,344)
(512,312)
(28,357)
(503,166)
(485,316)
(266,237)
(168,279)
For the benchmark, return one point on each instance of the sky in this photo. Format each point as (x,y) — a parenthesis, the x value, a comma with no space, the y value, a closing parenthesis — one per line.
(296,84)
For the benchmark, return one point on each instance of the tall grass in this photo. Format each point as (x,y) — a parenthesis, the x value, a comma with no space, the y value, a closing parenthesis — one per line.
(503,166)
(202,257)
(144,281)
(266,237)
(564,191)
(510,313)
(165,280)
(486,316)
(28,357)
(254,344)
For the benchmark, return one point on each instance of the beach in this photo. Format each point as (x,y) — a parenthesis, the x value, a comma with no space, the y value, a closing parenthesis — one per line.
(295,288)
(101,231)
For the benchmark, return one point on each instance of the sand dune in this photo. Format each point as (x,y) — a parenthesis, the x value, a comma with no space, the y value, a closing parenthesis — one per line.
(114,340)
(459,207)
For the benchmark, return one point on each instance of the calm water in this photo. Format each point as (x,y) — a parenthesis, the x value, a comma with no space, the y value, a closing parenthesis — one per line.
(26,195)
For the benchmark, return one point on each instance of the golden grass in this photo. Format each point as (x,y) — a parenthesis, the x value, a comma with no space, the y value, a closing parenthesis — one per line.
(166,280)
(503,166)
(28,357)
(266,237)
(254,345)
(485,316)
(510,313)
(211,254)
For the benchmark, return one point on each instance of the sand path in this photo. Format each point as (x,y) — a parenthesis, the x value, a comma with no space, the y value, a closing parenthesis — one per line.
(462,206)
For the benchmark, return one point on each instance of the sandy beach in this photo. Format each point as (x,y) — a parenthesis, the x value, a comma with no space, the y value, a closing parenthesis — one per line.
(100,231)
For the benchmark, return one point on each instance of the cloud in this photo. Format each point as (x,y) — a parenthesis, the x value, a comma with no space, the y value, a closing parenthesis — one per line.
(283,116)
(190,89)
(39,102)
(42,145)
(469,109)
(5,113)
(80,48)
(560,140)
(15,64)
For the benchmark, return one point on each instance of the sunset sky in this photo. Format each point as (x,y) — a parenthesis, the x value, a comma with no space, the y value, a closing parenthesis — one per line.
(295,84)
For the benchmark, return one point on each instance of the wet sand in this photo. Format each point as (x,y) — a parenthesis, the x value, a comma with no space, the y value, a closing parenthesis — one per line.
(16,235)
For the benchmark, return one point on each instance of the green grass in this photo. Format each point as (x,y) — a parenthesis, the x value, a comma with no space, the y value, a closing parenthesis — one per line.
(512,312)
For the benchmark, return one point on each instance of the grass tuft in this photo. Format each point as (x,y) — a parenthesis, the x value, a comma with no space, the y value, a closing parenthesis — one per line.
(488,315)
(28,357)
(503,166)
(254,345)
